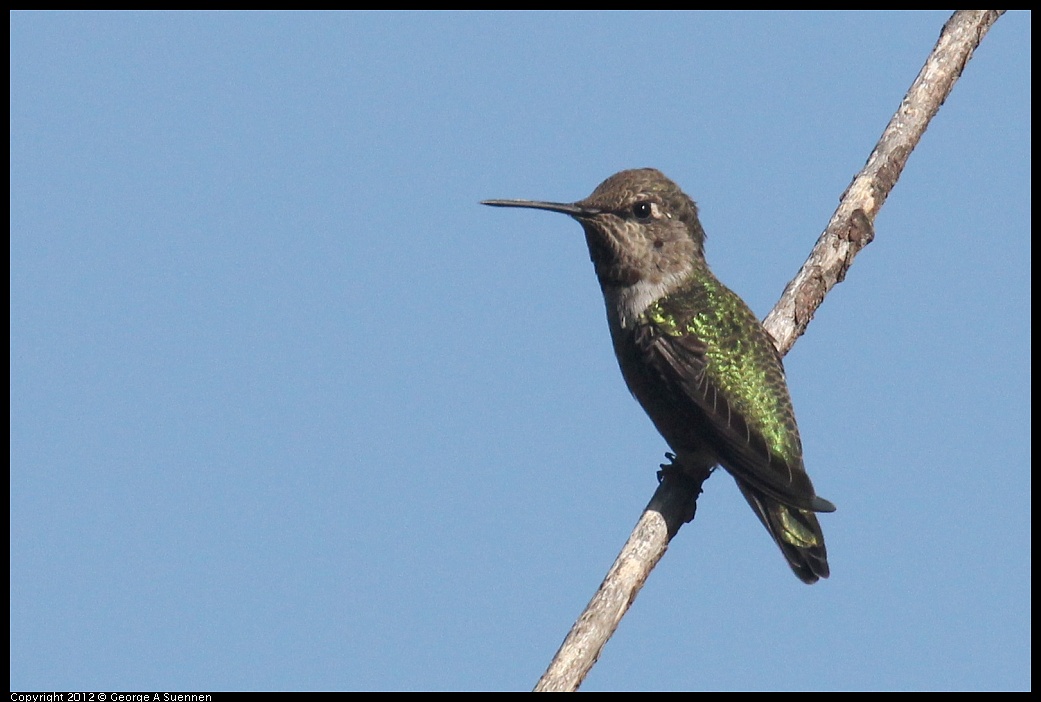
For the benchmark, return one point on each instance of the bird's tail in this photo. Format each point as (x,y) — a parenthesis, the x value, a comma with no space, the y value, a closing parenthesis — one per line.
(796,531)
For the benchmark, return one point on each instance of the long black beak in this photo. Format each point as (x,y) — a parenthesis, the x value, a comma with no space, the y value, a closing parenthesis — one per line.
(563,207)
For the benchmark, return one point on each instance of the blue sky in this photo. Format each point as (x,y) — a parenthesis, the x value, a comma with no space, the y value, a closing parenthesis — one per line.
(290,410)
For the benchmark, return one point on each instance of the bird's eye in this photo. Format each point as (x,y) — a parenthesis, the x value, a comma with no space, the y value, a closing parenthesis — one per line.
(642,210)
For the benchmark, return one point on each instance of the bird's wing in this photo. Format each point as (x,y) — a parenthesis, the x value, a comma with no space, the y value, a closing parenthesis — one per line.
(682,360)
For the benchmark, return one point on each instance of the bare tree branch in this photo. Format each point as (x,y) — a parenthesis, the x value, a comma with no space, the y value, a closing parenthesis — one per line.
(849,230)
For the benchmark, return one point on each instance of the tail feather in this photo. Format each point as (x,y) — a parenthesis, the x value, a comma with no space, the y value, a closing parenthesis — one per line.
(796,531)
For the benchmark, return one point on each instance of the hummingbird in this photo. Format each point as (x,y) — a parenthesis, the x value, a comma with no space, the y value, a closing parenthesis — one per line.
(695,356)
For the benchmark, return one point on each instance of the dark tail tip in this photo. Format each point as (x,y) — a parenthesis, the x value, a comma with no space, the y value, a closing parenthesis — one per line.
(795,531)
